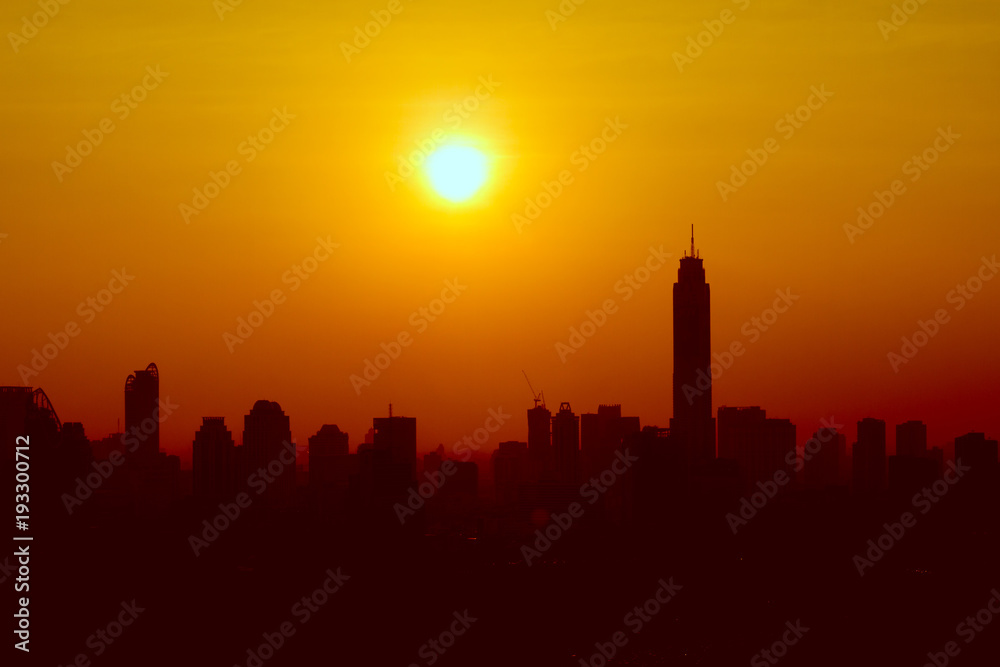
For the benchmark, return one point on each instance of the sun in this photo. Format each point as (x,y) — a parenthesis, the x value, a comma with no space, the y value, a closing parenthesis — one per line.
(457,172)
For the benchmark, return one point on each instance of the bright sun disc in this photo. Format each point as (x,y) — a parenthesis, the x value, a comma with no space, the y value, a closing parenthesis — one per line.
(456,172)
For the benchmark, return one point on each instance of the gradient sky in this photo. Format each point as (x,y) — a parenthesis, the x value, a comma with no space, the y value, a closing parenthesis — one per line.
(324,176)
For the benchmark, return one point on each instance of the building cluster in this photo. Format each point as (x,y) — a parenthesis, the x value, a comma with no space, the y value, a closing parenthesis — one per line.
(567,457)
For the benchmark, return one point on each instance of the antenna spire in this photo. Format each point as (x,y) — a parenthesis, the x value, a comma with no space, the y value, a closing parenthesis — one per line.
(692,240)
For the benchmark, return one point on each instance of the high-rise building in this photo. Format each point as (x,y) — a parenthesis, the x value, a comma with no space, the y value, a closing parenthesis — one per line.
(822,454)
(330,465)
(388,465)
(868,457)
(539,439)
(213,461)
(510,471)
(692,422)
(58,452)
(760,445)
(601,435)
(142,402)
(911,439)
(566,445)
(267,444)
(975,451)
(398,437)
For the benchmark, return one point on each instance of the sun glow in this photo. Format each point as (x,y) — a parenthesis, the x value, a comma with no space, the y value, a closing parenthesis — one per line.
(457,172)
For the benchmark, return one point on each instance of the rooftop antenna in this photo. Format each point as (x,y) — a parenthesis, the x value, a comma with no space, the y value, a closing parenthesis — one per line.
(692,240)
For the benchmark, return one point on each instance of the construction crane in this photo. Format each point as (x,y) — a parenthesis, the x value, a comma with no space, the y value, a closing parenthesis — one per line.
(539,397)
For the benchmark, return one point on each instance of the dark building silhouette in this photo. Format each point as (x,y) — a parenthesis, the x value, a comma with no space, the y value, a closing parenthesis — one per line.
(57,452)
(868,457)
(267,446)
(398,437)
(387,466)
(510,471)
(656,488)
(911,439)
(153,476)
(539,440)
(601,436)
(330,466)
(693,422)
(760,445)
(912,467)
(975,451)
(213,461)
(825,454)
(566,445)
(142,402)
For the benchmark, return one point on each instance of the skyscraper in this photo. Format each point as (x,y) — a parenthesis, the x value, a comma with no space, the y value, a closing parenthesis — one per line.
(398,437)
(692,422)
(911,439)
(539,439)
(510,470)
(823,454)
(868,457)
(142,402)
(267,441)
(974,450)
(760,445)
(601,436)
(329,464)
(213,460)
(566,445)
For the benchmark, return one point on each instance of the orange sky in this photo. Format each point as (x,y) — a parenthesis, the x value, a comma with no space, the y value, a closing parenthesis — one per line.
(343,127)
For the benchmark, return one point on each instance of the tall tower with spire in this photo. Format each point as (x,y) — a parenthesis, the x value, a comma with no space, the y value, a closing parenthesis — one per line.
(692,422)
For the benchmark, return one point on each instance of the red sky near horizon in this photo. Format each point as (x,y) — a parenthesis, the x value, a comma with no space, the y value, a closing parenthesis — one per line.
(610,123)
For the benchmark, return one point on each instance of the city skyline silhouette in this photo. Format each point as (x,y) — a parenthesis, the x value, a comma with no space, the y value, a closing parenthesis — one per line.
(546,333)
